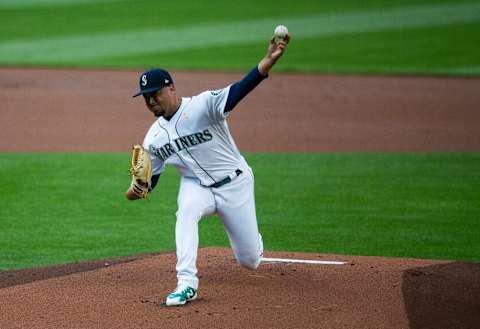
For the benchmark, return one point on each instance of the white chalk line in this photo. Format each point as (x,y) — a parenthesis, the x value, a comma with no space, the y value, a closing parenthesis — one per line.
(303,261)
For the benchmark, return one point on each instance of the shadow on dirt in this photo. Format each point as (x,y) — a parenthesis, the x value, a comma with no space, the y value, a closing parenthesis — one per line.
(17,277)
(443,296)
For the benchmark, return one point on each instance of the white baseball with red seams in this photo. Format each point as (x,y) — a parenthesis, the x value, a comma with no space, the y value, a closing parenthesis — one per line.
(197,141)
(280,31)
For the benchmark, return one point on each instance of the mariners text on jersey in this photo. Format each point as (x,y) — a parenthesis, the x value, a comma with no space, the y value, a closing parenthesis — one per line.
(181,143)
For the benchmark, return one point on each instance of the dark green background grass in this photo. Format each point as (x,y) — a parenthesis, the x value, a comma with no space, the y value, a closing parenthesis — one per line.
(44,21)
(451,49)
(435,50)
(60,208)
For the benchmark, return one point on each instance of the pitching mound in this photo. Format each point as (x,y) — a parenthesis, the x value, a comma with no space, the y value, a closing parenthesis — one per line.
(365,292)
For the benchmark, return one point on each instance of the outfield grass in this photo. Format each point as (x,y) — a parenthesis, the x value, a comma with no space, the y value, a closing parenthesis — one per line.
(397,36)
(60,208)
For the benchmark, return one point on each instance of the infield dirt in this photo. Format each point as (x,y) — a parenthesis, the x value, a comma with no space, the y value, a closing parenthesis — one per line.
(82,110)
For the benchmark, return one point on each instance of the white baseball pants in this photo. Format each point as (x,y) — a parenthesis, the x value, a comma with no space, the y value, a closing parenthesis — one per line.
(235,204)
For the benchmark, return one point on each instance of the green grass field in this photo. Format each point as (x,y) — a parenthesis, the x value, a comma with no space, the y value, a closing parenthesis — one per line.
(64,207)
(391,37)
(60,208)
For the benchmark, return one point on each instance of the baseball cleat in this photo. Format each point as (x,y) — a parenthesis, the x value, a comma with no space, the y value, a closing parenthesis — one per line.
(180,296)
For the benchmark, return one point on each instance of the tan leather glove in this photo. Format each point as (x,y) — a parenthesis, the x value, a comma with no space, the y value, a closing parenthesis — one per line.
(141,171)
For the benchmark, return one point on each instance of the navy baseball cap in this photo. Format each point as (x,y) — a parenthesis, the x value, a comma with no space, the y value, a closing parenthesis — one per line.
(153,80)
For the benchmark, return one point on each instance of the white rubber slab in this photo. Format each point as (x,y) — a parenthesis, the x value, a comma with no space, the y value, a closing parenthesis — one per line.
(303,261)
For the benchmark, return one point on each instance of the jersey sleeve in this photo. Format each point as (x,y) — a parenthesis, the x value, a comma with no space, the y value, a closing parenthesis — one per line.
(215,101)
(241,88)
(158,166)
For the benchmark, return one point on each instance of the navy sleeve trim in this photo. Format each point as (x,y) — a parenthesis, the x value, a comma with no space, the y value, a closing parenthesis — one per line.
(154,181)
(241,88)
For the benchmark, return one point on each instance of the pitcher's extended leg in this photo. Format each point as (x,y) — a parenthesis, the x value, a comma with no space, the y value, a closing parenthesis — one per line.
(194,202)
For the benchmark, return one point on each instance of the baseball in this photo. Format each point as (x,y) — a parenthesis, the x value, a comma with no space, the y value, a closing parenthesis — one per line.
(280,32)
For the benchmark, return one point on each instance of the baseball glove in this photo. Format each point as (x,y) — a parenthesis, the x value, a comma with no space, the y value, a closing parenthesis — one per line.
(141,171)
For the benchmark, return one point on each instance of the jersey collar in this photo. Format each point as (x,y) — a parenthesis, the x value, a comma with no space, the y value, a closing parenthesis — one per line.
(163,121)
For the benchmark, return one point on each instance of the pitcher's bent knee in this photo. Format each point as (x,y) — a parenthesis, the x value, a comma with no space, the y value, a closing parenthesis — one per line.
(249,261)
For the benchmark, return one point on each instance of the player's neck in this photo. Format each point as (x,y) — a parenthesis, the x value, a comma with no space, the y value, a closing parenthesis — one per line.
(175,106)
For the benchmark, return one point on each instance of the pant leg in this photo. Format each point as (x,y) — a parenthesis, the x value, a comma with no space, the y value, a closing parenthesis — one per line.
(194,202)
(236,207)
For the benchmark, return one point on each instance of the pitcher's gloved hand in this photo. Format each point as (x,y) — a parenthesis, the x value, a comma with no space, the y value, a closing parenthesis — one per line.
(141,171)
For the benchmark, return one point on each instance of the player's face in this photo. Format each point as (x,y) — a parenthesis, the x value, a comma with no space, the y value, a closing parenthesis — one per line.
(162,102)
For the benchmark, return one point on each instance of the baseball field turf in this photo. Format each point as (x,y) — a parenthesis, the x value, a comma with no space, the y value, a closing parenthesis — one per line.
(61,208)
(64,207)
(397,36)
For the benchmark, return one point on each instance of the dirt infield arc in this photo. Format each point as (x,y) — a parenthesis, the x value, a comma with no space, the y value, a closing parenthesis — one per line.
(82,110)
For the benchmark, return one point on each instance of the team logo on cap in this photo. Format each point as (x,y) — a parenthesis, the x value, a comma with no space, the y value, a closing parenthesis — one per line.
(144,80)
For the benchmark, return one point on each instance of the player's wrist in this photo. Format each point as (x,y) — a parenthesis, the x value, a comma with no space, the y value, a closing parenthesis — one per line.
(265,66)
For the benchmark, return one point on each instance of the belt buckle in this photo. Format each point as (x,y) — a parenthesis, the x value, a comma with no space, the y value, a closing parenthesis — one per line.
(226,180)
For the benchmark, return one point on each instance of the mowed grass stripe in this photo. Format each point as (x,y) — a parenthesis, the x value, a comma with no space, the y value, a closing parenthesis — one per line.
(463,70)
(123,43)
(10,4)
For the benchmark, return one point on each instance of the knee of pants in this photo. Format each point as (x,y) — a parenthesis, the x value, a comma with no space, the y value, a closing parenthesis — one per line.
(188,215)
(249,260)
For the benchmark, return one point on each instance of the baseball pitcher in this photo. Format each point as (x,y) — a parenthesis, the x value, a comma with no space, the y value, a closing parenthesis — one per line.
(192,134)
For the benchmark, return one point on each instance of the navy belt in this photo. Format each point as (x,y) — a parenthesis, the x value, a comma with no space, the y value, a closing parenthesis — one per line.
(227,179)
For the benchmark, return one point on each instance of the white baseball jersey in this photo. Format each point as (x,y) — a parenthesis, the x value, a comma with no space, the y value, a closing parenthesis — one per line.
(196,140)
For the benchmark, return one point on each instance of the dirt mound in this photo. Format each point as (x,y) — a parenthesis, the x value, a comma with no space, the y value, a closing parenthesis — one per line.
(366,292)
